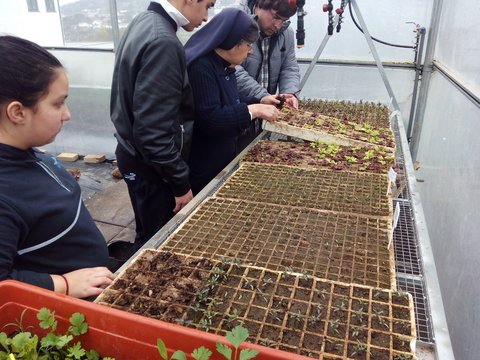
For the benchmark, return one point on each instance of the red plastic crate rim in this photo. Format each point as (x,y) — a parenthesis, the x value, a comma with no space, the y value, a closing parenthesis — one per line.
(113,333)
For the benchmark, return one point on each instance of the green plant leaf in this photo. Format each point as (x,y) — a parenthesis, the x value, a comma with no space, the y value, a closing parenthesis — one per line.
(94,355)
(63,341)
(3,339)
(162,349)
(47,319)
(224,350)
(76,351)
(21,340)
(49,340)
(247,354)
(79,325)
(201,353)
(179,355)
(238,335)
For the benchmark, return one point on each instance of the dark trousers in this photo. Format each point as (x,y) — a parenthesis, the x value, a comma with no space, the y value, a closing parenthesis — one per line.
(249,135)
(152,204)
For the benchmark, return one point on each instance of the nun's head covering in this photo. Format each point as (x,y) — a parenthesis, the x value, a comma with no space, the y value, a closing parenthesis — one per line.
(224,31)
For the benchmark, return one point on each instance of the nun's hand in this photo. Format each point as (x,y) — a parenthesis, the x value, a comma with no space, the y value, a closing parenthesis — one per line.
(263,111)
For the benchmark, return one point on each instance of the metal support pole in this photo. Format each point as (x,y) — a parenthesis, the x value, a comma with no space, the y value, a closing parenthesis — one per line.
(61,22)
(418,70)
(114,19)
(375,55)
(427,72)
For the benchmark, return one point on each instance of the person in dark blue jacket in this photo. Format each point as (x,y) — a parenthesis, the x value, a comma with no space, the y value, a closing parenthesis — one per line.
(221,114)
(47,236)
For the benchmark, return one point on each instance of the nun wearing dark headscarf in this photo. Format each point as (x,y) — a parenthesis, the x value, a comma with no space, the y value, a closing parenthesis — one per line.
(221,114)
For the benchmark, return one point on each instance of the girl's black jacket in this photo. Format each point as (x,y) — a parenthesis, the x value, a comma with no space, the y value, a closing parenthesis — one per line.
(44,226)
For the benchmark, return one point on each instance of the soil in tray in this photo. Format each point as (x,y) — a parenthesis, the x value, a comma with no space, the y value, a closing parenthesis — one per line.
(362,133)
(303,240)
(317,189)
(363,118)
(321,156)
(158,284)
(274,317)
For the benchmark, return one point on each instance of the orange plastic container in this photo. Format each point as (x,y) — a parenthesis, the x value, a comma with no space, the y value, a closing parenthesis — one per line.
(113,333)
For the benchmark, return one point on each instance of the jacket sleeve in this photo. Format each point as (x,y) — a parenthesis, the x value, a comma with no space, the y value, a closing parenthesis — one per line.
(247,85)
(12,227)
(289,75)
(214,117)
(156,104)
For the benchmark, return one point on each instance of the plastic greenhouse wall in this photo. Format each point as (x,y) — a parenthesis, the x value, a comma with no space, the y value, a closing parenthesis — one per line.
(448,151)
(89,130)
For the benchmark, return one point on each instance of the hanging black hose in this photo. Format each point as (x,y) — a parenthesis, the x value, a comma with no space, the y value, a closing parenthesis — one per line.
(375,39)
(300,36)
(329,7)
(340,12)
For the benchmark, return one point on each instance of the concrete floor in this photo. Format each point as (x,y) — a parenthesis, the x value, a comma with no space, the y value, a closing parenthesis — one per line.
(106,197)
(112,212)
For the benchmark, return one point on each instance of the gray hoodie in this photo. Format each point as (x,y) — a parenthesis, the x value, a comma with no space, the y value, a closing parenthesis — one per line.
(284,71)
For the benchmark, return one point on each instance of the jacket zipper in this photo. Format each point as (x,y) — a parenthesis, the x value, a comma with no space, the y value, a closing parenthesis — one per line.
(181,139)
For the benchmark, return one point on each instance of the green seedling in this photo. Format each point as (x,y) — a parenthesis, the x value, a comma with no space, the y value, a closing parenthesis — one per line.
(358,348)
(230,318)
(202,295)
(313,319)
(333,326)
(338,345)
(201,353)
(238,335)
(305,275)
(319,307)
(403,356)
(184,321)
(296,316)
(249,283)
(383,322)
(267,281)
(205,324)
(265,296)
(356,330)
(267,342)
(26,346)
(404,323)
(287,272)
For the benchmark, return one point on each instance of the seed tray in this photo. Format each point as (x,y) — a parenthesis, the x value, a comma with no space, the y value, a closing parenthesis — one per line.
(320,156)
(289,311)
(312,126)
(342,247)
(306,315)
(158,284)
(374,114)
(348,192)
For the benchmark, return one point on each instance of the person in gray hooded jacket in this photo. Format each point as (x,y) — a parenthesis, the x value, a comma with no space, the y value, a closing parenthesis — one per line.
(273,65)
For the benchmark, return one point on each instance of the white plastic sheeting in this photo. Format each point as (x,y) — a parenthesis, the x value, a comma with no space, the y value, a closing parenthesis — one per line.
(458,38)
(449,163)
(355,83)
(388,21)
(89,130)
(449,166)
